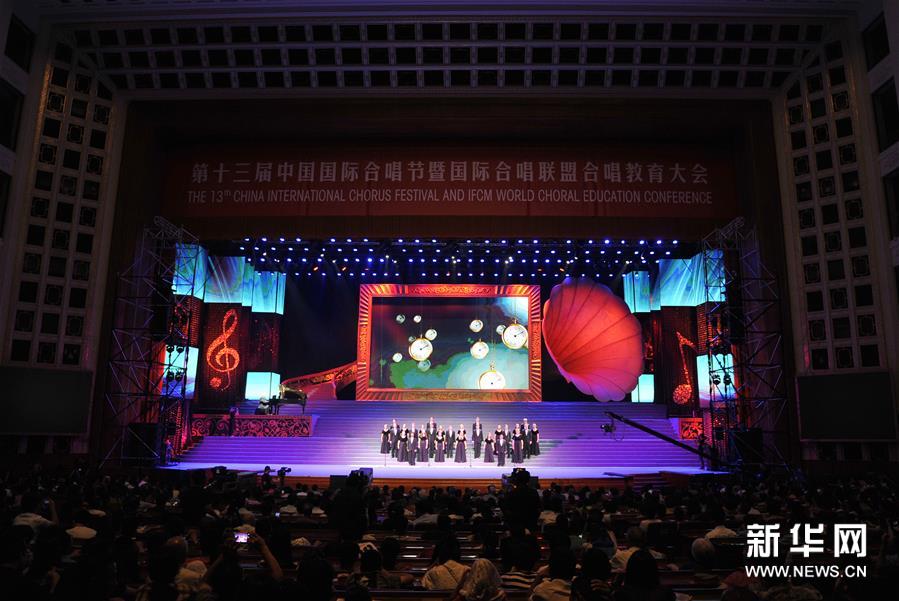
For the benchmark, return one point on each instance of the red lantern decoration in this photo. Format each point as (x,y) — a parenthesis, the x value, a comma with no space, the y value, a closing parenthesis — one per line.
(593,338)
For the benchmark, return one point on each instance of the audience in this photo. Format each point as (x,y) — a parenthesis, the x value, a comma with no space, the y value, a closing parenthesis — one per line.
(82,534)
(447,572)
(481,583)
(562,567)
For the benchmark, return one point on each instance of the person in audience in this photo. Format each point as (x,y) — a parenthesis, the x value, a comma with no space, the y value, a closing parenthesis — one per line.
(521,507)
(635,540)
(518,559)
(557,587)
(347,554)
(592,580)
(641,580)
(600,537)
(371,574)
(446,572)
(315,579)
(481,583)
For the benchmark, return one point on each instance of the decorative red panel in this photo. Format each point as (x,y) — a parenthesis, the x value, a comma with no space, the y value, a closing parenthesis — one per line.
(690,428)
(268,426)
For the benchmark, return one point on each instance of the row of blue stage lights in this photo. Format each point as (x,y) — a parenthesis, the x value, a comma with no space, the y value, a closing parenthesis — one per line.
(555,260)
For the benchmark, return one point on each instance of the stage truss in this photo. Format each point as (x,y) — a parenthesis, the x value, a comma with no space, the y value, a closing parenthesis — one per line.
(150,343)
(746,325)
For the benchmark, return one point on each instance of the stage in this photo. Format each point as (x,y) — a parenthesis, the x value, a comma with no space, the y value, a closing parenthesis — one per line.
(346,435)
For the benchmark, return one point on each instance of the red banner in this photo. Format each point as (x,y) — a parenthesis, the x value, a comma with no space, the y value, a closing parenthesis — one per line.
(611,180)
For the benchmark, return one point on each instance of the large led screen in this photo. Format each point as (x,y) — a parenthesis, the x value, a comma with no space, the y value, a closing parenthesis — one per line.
(450,342)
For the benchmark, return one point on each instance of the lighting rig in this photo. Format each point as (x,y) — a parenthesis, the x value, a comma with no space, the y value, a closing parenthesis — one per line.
(466,259)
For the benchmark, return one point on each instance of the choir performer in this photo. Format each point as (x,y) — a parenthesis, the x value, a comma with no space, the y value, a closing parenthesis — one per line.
(402,449)
(423,445)
(432,433)
(413,450)
(535,441)
(394,438)
(526,433)
(385,440)
(440,446)
(460,444)
(507,439)
(477,437)
(500,450)
(488,449)
(517,443)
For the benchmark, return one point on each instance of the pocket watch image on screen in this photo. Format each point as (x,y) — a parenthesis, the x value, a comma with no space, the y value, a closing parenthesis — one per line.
(492,379)
(515,336)
(479,349)
(421,349)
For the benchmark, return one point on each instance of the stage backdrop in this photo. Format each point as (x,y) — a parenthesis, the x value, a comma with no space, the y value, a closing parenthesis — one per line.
(614,180)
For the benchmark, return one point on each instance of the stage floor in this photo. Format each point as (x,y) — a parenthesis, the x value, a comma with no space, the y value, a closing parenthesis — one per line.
(573,445)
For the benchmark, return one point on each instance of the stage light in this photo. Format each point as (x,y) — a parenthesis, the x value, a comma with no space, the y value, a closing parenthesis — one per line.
(265,239)
(674,242)
(299,239)
(281,239)
(242,248)
(642,242)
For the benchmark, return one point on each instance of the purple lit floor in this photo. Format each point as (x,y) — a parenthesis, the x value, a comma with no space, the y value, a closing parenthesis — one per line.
(573,444)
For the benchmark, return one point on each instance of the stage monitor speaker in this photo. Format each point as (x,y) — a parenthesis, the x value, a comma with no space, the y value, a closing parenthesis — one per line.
(749,445)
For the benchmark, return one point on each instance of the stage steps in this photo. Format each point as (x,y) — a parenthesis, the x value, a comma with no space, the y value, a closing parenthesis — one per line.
(347,432)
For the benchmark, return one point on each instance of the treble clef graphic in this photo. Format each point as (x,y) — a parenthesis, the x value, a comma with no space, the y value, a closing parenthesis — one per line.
(221,357)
